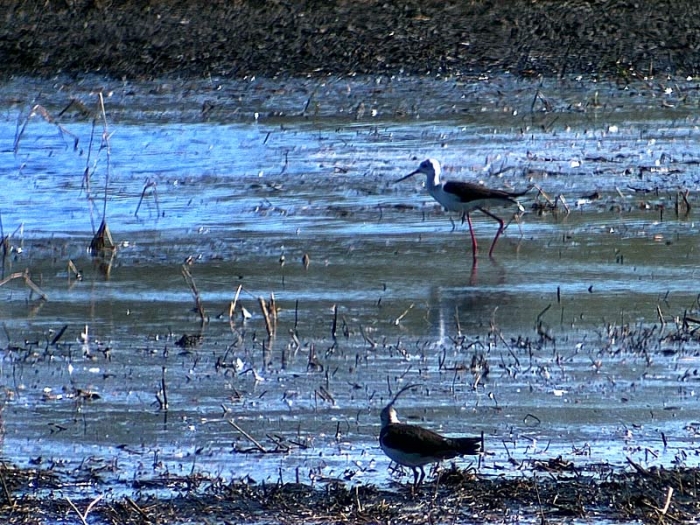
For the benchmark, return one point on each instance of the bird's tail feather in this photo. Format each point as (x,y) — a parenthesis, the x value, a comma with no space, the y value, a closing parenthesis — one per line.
(469,445)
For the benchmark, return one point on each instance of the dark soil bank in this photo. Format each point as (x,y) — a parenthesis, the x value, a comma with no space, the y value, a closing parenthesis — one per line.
(195,38)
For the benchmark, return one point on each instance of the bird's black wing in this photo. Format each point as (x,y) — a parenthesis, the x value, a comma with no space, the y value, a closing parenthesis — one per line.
(412,439)
(468,192)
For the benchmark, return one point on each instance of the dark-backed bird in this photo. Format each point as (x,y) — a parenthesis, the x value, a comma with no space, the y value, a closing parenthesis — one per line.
(413,446)
(465,197)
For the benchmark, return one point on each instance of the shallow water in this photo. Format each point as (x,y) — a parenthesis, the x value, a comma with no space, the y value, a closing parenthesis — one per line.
(566,314)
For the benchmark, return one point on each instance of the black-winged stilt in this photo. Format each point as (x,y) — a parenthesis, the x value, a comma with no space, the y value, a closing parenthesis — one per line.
(465,197)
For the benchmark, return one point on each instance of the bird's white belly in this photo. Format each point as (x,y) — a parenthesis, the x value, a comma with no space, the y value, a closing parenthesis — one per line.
(452,202)
(406,459)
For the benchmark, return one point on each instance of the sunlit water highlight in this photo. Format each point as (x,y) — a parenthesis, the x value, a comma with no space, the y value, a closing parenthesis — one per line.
(567,315)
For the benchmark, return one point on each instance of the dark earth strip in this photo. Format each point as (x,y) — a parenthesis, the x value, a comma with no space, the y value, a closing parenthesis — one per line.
(555,494)
(620,39)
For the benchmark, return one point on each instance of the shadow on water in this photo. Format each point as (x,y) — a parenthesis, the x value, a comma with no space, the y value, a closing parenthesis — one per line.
(573,341)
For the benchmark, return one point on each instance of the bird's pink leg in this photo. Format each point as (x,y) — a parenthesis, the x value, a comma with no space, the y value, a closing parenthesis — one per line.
(475,248)
(501,227)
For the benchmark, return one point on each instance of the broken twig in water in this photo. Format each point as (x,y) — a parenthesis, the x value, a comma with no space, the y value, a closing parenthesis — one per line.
(27,280)
(247,436)
(334,326)
(199,307)
(162,396)
(149,184)
(266,315)
(371,342)
(43,113)
(232,307)
(58,335)
(397,321)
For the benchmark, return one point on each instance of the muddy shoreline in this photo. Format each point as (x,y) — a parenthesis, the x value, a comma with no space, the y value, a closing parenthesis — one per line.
(142,40)
(556,493)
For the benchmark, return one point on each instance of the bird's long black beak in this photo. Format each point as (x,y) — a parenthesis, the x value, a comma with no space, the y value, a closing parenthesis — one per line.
(407,176)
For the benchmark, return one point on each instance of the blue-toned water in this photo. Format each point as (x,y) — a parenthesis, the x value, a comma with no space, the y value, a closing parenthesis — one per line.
(579,315)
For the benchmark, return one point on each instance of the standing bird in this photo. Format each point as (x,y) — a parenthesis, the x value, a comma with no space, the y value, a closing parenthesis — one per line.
(414,446)
(466,197)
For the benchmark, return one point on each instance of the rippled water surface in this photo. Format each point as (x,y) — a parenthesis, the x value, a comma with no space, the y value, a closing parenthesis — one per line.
(579,317)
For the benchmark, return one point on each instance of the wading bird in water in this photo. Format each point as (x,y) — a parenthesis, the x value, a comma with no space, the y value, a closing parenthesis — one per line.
(465,197)
(414,446)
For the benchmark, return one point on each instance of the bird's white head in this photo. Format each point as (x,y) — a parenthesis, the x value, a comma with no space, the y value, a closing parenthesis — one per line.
(388,415)
(430,168)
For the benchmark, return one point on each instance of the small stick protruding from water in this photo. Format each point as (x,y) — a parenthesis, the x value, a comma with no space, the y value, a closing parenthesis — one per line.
(458,325)
(74,272)
(561,199)
(246,435)
(27,280)
(686,203)
(43,113)
(397,321)
(149,184)
(266,315)
(162,396)
(334,326)
(660,315)
(58,335)
(296,317)
(371,342)
(199,307)
(232,308)
(273,311)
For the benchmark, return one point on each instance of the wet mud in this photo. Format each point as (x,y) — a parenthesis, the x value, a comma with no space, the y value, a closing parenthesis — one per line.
(555,492)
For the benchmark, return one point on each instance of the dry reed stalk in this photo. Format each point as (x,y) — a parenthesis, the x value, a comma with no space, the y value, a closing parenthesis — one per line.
(58,336)
(5,489)
(149,184)
(99,117)
(138,509)
(334,326)
(247,436)
(371,342)
(39,110)
(83,516)
(273,310)
(199,307)
(266,315)
(74,272)
(27,280)
(397,321)
(163,398)
(686,204)
(667,504)
(105,144)
(232,307)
